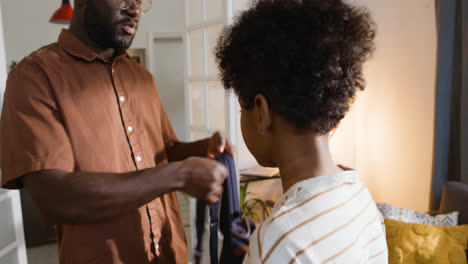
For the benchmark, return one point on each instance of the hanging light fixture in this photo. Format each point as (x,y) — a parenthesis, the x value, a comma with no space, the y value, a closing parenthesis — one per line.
(64,14)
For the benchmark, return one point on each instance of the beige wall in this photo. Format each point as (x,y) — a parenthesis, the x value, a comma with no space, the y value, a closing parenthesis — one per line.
(245,159)
(390,128)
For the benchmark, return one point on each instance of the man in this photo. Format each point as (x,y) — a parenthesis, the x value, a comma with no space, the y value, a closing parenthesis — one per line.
(84,131)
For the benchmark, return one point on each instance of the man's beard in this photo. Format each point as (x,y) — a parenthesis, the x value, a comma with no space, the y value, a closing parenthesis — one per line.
(103,33)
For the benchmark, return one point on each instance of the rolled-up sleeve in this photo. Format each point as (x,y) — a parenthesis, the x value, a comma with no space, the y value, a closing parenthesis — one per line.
(32,134)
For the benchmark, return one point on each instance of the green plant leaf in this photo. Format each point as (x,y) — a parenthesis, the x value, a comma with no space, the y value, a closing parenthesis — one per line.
(243,192)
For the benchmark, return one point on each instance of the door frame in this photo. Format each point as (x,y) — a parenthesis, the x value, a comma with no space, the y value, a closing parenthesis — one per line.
(11,196)
(14,198)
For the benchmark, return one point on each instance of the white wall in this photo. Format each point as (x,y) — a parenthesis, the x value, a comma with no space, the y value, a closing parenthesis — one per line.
(164,16)
(27,27)
(392,121)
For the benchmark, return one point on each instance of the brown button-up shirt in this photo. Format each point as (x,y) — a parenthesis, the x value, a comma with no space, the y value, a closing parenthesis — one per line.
(68,109)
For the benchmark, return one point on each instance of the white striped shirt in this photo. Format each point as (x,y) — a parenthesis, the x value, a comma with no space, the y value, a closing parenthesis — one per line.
(326,219)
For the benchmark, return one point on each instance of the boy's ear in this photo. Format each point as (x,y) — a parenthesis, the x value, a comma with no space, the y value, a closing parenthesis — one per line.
(263,114)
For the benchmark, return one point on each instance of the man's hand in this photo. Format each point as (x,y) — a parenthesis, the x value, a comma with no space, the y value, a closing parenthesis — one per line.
(218,145)
(203,178)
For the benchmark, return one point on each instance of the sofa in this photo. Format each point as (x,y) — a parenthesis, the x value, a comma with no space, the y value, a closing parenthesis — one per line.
(455,198)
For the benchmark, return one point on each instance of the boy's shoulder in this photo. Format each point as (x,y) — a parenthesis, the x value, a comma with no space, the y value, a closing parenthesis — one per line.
(308,200)
(316,213)
(316,192)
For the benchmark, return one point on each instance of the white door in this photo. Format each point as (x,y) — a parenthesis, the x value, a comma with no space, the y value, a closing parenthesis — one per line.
(208,107)
(12,246)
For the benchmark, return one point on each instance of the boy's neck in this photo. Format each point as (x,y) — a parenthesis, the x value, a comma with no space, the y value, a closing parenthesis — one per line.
(301,156)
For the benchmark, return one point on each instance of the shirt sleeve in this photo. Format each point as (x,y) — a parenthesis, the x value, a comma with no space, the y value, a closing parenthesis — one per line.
(32,133)
(168,133)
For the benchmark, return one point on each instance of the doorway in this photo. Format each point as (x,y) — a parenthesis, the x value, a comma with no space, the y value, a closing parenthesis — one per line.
(167,67)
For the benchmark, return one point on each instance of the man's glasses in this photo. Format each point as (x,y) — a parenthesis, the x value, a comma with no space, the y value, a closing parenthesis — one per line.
(144,5)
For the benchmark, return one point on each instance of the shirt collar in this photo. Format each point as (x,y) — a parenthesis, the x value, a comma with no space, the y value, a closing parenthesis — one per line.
(71,44)
(316,183)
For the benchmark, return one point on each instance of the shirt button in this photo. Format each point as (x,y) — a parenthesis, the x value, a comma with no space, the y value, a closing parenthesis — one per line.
(122,98)
(138,158)
(130,129)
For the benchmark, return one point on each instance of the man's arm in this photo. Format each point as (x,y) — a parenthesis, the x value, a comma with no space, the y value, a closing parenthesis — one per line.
(208,148)
(81,197)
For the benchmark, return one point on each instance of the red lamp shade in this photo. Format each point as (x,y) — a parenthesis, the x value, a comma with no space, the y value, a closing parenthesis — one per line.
(64,14)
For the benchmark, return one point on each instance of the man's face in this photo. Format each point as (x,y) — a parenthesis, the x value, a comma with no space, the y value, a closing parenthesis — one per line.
(109,26)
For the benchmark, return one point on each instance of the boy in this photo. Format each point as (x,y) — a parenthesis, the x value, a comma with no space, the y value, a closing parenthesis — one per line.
(296,66)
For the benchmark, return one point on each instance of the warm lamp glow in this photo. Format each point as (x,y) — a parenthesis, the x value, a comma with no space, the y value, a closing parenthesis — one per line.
(64,14)
(332,133)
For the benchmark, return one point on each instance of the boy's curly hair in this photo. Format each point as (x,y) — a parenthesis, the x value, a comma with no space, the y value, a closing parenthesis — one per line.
(304,56)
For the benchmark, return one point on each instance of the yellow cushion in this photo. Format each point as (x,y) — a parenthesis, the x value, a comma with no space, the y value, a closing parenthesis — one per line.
(420,243)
